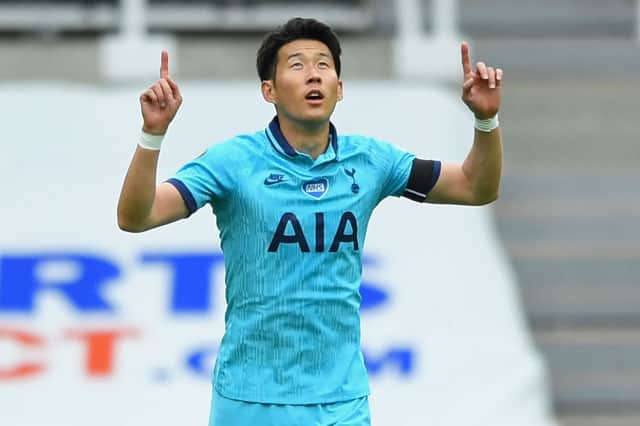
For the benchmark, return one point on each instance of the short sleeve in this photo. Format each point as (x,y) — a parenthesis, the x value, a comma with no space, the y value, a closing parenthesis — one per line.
(204,179)
(396,167)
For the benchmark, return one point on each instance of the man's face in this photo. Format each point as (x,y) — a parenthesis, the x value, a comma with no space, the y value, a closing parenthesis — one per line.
(306,87)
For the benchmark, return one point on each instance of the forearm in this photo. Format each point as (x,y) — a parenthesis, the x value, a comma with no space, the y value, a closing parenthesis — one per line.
(483,165)
(138,191)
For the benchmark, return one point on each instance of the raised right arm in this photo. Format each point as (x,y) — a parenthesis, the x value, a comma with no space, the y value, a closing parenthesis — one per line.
(143,204)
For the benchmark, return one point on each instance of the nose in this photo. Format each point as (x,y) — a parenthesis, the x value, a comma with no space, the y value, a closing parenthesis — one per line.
(314,76)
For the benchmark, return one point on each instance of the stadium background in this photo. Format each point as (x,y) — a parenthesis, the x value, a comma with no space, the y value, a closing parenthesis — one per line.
(567,215)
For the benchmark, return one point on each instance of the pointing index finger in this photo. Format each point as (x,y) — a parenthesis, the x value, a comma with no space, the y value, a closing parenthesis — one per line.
(466,61)
(164,64)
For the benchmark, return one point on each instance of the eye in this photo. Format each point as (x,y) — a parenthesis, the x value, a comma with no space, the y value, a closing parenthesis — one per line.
(323,64)
(296,65)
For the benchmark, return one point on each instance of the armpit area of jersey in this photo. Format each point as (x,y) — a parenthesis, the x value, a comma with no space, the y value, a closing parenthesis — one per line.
(423,177)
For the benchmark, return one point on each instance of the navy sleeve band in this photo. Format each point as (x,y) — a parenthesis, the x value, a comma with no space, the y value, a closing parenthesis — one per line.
(423,177)
(186,194)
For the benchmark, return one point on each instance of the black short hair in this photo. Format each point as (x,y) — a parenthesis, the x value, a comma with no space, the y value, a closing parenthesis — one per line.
(295,29)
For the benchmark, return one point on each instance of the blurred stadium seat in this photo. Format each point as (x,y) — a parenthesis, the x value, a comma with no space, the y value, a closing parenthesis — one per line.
(493,18)
(172,15)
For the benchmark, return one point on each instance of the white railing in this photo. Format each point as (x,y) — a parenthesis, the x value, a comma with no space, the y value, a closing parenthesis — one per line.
(134,22)
(445,17)
(409,19)
(418,55)
(133,54)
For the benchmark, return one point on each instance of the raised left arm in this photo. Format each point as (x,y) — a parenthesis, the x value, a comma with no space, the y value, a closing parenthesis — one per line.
(477,180)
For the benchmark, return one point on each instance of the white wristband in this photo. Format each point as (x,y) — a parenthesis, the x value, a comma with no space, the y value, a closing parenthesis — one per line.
(487,125)
(149,141)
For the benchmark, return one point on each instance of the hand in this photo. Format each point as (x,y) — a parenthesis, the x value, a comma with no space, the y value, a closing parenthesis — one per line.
(481,88)
(160,102)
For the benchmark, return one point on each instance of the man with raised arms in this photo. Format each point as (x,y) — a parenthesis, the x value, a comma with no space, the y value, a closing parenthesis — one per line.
(292,203)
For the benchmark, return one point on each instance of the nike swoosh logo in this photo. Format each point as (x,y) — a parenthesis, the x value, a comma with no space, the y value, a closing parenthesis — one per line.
(273,179)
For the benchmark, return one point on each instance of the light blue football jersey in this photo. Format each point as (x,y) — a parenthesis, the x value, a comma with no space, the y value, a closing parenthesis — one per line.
(292,231)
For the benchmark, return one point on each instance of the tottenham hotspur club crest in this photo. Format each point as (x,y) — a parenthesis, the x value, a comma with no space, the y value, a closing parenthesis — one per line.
(355,188)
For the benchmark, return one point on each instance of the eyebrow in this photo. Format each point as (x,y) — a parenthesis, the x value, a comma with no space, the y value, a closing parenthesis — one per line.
(297,54)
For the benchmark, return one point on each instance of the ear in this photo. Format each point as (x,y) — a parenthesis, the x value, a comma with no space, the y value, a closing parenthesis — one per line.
(340,91)
(268,91)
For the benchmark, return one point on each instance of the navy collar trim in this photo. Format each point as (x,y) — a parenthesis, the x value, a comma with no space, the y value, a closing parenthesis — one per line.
(274,126)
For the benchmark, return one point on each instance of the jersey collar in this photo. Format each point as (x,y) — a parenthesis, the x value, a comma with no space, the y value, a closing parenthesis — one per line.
(283,145)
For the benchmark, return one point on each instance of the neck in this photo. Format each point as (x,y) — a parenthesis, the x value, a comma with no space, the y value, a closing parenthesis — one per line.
(312,139)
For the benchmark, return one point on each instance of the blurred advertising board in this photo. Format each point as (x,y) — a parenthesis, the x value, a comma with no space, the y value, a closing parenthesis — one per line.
(102,327)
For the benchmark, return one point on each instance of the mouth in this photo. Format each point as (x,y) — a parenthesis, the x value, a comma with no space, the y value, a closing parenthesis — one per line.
(314,96)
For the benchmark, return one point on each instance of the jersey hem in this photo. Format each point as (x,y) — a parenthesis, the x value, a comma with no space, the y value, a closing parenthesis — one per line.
(288,401)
